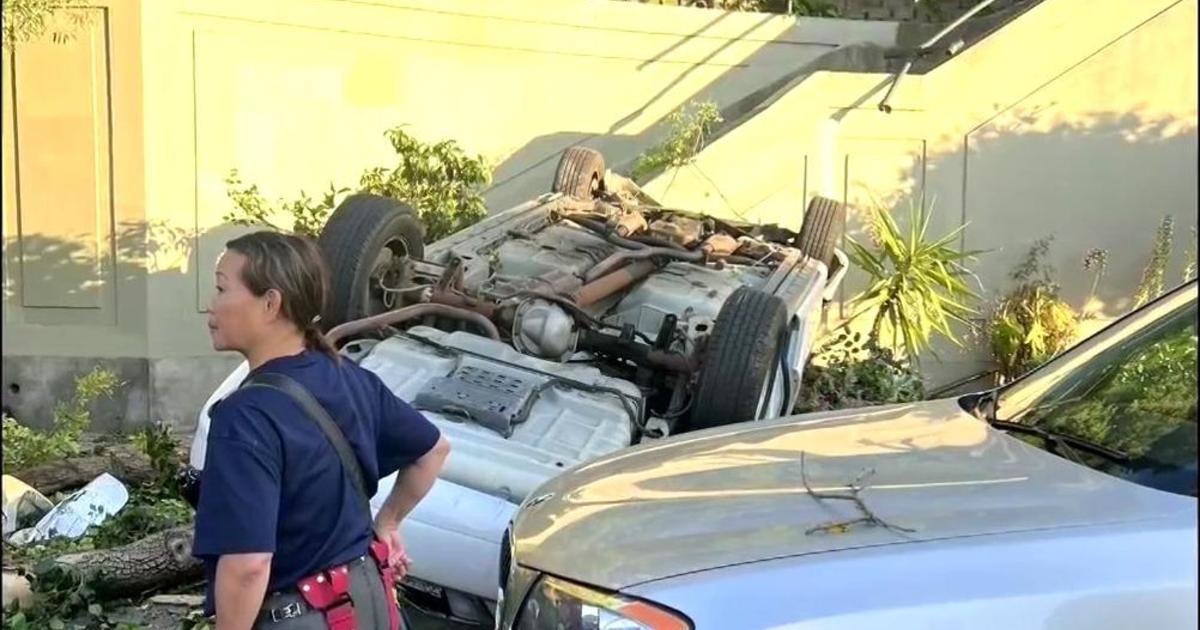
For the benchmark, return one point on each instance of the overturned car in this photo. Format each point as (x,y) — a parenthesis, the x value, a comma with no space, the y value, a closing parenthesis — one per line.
(561,330)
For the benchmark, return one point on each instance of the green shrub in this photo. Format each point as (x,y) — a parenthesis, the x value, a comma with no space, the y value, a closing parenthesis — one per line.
(25,447)
(62,598)
(917,285)
(27,20)
(1031,323)
(847,373)
(1155,273)
(1189,267)
(691,126)
(162,449)
(440,181)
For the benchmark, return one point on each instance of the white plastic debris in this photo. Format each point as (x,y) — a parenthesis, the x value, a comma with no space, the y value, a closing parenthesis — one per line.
(23,536)
(91,505)
(21,501)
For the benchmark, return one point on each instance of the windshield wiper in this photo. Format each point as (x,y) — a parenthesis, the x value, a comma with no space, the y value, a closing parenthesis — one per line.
(1057,440)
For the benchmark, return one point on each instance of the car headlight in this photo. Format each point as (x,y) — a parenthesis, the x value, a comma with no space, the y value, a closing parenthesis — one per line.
(556,604)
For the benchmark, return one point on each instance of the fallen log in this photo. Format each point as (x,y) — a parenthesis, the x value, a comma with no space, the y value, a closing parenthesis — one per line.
(158,561)
(128,464)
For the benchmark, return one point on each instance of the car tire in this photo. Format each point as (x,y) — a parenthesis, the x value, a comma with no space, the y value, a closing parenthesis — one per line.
(742,353)
(580,173)
(821,232)
(368,238)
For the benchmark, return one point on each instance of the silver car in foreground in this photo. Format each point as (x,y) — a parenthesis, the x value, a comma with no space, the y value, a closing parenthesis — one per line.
(1066,499)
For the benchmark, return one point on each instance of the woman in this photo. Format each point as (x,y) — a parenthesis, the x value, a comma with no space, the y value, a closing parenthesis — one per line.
(276,504)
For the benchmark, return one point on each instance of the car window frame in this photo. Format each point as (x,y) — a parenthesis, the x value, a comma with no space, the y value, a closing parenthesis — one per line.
(1015,399)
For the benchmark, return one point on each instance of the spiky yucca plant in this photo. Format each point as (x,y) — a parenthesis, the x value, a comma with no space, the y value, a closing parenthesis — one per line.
(918,284)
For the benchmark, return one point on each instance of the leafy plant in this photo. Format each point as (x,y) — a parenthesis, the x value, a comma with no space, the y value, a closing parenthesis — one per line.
(918,285)
(440,181)
(148,510)
(63,600)
(1028,328)
(1031,323)
(308,215)
(691,126)
(1095,262)
(25,447)
(814,8)
(847,373)
(1154,275)
(27,20)
(161,447)
(1189,268)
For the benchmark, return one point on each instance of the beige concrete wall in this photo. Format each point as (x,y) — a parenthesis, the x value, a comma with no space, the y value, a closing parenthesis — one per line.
(123,137)
(1077,120)
(74,202)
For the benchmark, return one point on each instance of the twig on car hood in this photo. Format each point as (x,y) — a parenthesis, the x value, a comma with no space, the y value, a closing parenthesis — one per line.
(868,517)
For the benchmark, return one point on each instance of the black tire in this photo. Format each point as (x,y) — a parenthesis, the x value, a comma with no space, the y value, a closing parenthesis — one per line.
(580,173)
(824,222)
(745,345)
(353,242)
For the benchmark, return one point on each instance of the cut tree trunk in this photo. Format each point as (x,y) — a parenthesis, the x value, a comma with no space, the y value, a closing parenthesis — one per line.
(158,561)
(128,464)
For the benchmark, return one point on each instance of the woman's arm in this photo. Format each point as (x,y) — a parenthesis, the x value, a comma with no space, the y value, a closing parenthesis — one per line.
(241,586)
(412,484)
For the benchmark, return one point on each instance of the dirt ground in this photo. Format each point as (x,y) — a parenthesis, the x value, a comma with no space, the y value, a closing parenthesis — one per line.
(157,617)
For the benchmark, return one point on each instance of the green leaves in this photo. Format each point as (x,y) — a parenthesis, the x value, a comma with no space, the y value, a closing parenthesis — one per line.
(691,125)
(25,447)
(917,287)
(1154,275)
(27,20)
(440,181)
(1031,323)
(845,373)
(1189,267)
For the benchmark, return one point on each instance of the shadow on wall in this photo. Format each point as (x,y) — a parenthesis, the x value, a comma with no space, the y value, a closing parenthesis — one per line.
(1098,181)
(528,171)
(154,262)
(1103,181)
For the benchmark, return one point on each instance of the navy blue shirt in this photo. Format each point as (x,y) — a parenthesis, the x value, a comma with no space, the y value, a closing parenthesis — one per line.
(272,482)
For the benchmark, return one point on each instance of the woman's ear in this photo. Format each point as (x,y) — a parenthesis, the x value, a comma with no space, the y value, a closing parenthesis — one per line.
(273,301)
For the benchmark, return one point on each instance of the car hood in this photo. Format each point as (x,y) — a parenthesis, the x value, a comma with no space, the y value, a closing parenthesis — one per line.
(737,494)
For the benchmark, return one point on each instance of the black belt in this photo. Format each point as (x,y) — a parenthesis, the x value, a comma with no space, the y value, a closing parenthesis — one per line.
(291,610)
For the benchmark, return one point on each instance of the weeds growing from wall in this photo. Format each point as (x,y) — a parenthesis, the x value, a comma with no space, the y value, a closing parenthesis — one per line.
(1154,275)
(690,128)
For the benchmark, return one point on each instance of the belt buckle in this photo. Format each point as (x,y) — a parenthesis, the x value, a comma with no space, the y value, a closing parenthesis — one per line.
(291,611)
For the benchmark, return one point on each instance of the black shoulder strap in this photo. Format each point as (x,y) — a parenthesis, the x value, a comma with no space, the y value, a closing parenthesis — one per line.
(317,414)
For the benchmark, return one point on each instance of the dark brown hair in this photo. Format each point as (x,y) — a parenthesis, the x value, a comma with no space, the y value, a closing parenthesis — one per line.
(293,266)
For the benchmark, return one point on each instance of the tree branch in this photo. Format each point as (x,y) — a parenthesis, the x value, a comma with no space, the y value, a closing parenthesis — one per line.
(868,517)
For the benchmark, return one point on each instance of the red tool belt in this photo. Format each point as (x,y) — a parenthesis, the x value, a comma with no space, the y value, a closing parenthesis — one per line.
(329,592)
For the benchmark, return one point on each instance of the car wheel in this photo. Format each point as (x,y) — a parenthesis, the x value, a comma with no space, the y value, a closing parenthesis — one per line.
(367,243)
(822,229)
(742,376)
(580,173)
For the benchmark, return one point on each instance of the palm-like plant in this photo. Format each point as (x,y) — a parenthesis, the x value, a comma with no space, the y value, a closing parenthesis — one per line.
(918,285)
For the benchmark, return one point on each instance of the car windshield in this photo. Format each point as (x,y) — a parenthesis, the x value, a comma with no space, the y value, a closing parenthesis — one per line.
(1138,398)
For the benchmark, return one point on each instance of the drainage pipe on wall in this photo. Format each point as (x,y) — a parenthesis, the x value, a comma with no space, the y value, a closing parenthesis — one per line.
(923,48)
